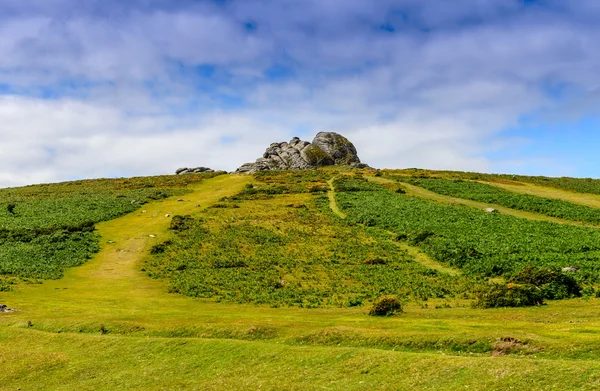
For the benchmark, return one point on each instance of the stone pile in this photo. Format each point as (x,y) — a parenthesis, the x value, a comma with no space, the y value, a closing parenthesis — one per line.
(326,149)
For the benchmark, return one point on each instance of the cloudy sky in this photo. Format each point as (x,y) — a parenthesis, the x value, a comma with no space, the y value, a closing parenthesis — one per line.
(105,88)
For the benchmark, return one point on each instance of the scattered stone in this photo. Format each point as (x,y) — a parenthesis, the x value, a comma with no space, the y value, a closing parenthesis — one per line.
(196,170)
(180,200)
(327,149)
(111,242)
(4,308)
(144,211)
(490,210)
(152,236)
(167,215)
(570,269)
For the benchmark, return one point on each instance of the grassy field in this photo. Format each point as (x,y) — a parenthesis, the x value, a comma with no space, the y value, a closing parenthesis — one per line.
(106,325)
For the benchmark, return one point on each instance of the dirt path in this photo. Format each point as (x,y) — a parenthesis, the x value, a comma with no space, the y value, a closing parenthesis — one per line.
(415,252)
(420,192)
(332,202)
(585,199)
(113,282)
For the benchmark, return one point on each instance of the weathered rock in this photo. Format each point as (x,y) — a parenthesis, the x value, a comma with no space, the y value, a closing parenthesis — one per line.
(326,149)
(490,210)
(4,308)
(570,269)
(338,147)
(186,170)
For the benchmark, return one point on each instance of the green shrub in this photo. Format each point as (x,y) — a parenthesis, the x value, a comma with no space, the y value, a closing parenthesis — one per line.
(160,248)
(386,306)
(552,282)
(501,295)
(180,223)
(355,301)
(375,261)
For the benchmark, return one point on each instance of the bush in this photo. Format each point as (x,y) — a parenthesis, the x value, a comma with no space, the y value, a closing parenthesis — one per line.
(386,306)
(375,261)
(553,283)
(179,223)
(160,248)
(500,295)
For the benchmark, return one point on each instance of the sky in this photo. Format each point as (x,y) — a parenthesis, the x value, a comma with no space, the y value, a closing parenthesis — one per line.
(112,88)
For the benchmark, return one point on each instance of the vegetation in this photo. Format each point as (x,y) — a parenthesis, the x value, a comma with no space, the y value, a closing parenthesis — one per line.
(481,244)
(579,185)
(487,193)
(45,229)
(148,339)
(386,306)
(290,251)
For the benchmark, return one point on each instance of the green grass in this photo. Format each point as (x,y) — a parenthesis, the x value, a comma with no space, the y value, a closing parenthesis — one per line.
(290,250)
(491,194)
(46,229)
(479,243)
(577,185)
(105,325)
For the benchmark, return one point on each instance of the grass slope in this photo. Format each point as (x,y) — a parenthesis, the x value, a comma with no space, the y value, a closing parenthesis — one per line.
(107,326)
(491,194)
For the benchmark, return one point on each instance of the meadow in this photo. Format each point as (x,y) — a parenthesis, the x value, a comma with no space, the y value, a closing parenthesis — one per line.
(479,243)
(290,250)
(491,194)
(266,281)
(45,229)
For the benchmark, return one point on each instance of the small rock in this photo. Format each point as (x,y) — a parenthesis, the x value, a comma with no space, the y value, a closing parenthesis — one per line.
(167,215)
(110,242)
(180,200)
(490,210)
(4,308)
(569,269)
(152,236)
(144,211)
(186,170)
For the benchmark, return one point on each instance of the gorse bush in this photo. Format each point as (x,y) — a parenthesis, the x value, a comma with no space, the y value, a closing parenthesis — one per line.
(552,283)
(386,306)
(502,295)
(179,223)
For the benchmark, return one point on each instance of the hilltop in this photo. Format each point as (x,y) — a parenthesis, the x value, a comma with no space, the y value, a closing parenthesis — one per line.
(202,278)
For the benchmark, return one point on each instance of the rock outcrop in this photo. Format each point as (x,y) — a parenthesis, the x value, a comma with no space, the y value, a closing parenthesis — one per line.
(186,170)
(327,149)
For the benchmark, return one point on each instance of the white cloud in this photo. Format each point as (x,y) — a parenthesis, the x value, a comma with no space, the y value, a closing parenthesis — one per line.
(436,93)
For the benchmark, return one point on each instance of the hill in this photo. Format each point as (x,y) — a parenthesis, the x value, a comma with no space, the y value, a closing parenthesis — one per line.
(229,281)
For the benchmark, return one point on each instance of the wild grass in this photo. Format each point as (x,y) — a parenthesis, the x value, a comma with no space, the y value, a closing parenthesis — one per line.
(46,229)
(105,325)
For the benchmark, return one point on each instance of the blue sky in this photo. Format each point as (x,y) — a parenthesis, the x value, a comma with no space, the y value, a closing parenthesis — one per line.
(97,88)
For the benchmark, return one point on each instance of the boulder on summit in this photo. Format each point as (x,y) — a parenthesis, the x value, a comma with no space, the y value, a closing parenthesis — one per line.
(327,148)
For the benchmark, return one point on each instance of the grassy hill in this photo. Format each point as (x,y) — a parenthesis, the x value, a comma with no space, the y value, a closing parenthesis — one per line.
(222,281)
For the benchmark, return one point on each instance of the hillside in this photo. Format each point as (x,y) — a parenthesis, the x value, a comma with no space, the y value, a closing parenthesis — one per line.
(235,281)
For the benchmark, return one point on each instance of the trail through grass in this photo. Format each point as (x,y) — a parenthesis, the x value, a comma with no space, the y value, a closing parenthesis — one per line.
(423,193)
(107,326)
(332,202)
(418,255)
(585,199)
